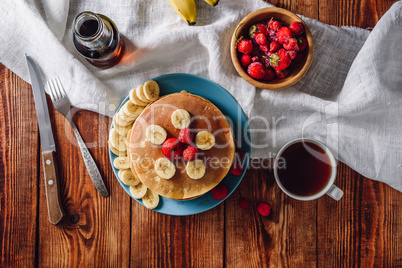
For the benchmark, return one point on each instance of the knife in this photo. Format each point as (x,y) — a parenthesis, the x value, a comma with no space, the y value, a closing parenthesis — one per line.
(47,142)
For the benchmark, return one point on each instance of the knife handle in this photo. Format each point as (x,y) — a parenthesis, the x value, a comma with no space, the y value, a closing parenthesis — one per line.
(52,187)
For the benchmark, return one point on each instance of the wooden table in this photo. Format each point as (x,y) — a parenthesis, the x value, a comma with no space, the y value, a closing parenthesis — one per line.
(363,229)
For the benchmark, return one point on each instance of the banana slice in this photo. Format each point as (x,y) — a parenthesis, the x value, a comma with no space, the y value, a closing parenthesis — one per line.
(140,93)
(138,191)
(118,141)
(165,168)
(119,173)
(180,119)
(131,110)
(117,120)
(121,162)
(115,151)
(122,130)
(195,169)
(150,199)
(155,134)
(204,140)
(128,178)
(121,117)
(151,90)
(134,98)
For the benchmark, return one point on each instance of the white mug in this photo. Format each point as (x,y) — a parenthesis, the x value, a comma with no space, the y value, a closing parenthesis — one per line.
(330,189)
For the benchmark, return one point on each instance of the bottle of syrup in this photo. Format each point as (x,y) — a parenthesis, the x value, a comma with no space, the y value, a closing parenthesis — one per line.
(96,38)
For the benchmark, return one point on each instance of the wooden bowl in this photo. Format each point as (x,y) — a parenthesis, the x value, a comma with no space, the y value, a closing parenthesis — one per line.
(285,17)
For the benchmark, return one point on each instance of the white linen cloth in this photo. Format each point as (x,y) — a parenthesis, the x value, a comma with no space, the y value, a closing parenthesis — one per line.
(350,99)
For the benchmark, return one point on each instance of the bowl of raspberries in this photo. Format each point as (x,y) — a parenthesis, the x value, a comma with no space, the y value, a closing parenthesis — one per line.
(272,48)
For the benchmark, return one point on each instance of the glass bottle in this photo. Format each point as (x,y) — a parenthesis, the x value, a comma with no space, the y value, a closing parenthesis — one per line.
(96,38)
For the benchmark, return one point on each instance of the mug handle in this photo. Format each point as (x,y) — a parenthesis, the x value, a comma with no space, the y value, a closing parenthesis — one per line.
(335,193)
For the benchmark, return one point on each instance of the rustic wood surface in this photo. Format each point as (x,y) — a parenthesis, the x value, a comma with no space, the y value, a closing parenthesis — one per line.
(364,229)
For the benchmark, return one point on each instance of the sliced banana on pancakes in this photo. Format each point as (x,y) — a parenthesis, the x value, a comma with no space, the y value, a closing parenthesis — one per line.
(118,141)
(121,162)
(115,151)
(165,168)
(140,94)
(118,120)
(134,98)
(195,169)
(155,134)
(150,199)
(204,140)
(122,130)
(128,178)
(138,191)
(180,118)
(131,110)
(151,90)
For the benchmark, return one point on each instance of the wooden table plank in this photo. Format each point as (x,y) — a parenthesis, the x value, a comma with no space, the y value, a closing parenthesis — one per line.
(96,230)
(19,161)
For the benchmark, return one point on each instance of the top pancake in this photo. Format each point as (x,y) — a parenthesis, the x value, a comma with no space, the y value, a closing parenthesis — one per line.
(204,116)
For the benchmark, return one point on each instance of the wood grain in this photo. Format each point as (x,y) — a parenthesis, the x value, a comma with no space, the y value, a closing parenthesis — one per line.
(19,160)
(95,231)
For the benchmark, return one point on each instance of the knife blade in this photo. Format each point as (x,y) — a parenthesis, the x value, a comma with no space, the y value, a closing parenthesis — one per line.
(47,143)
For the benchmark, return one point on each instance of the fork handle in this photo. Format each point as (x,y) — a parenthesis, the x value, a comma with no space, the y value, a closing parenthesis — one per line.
(92,169)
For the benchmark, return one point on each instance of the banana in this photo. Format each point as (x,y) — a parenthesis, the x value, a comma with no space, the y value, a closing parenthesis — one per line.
(119,173)
(180,119)
(140,93)
(134,98)
(121,162)
(138,191)
(115,151)
(118,141)
(185,9)
(150,199)
(123,118)
(155,134)
(128,178)
(151,90)
(204,140)
(195,169)
(165,168)
(117,120)
(212,2)
(131,110)
(122,130)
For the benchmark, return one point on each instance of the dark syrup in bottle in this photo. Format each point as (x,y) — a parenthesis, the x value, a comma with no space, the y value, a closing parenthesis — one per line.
(96,38)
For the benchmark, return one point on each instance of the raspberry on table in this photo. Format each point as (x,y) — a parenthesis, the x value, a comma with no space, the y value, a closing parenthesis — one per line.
(263,209)
(244,203)
(297,27)
(245,46)
(220,192)
(283,35)
(256,70)
(245,60)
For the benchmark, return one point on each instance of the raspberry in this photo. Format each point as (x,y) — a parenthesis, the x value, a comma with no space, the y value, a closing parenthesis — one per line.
(220,192)
(283,35)
(269,75)
(185,136)
(264,209)
(261,39)
(245,46)
(292,54)
(274,25)
(302,43)
(297,27)
(256,70)
(190,153)
(291,44)
(281,74)
(264,48)
(237,166)
(244,204)
(255,59)
(245,60)
(172,149)
(274,46)
(283,60)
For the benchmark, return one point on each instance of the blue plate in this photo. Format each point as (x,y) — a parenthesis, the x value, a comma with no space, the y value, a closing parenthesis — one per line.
(173,83)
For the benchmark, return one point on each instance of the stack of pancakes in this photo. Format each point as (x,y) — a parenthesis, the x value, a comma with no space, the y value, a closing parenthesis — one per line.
(204,116)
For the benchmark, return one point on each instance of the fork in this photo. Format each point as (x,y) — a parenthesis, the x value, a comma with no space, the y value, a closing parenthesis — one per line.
(63,105)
